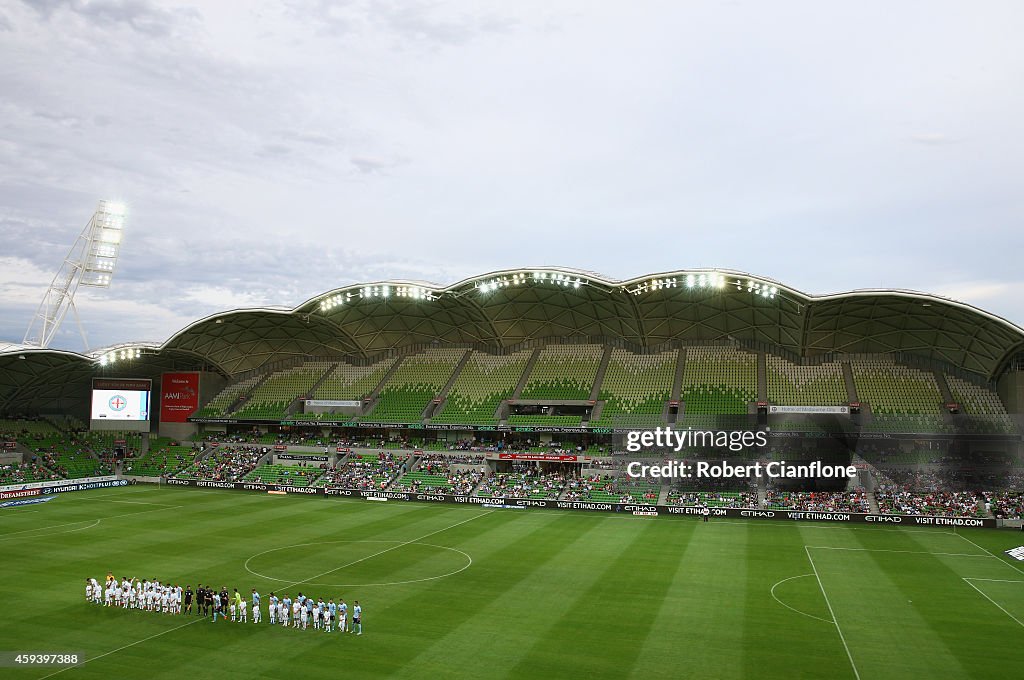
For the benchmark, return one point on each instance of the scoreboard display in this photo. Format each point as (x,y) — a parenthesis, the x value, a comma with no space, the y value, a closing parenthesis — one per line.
(121,403)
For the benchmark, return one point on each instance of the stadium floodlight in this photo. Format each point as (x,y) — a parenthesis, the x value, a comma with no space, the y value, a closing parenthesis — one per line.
(90,262)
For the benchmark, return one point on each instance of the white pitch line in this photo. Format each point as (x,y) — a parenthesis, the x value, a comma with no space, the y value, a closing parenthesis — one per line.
(109,495)
(842,637)
(794,608)
(1011,566)
(363,559)
(114,651)
(109,500)
(50,526)
(909,552)
(95,520)
(991,580)
(968,582)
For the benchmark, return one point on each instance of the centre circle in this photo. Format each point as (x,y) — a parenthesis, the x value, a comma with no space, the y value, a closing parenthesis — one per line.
(320,563)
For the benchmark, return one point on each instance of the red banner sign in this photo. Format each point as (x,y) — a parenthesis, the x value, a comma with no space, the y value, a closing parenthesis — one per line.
(536,456)
(25,493)
(179,396)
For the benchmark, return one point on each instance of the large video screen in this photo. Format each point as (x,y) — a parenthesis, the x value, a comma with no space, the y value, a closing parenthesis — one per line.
(120,400)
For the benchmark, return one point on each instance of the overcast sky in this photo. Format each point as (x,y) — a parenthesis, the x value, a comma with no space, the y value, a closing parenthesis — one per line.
(275,152)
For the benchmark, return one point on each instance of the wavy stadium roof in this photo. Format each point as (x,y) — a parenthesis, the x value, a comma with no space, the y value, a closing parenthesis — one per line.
(505,308)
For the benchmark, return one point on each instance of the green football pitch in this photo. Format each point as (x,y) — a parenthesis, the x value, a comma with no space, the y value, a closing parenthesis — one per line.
(466,592)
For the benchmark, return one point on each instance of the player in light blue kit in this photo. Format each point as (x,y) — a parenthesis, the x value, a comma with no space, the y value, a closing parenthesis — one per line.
(255,606)
(273,608)
(332,613)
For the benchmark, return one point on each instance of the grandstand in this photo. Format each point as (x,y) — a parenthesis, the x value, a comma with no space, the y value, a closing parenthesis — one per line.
(434,474)
(413,385)
(290,475)
(348,382)
(21,473)
(902,399)
(219,406)
(815,385)
(484,381)
(560,360)
(522,485)
(712,499)
(165,457)
(636,388)
(563,373)
(719,381)
(224,464)
(608,489)
(273,397)
(366,471)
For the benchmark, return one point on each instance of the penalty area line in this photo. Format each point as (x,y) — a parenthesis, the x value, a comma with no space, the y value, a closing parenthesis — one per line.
(989,552)
(982,593)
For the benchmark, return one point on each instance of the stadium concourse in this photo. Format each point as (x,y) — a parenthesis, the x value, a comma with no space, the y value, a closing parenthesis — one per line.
(519,384)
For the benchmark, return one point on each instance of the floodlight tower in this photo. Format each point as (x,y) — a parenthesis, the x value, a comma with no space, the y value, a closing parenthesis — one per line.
(90,262)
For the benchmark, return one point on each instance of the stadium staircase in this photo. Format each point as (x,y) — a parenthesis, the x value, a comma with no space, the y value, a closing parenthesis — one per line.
(293,407)
(595,391)
(677,387)
(385,378)
(525,377)
(940,380)
(243,398)
(761,499)
(436,407)
(872,502)
(371,399)
(414,385)
(851,386)
(762,376)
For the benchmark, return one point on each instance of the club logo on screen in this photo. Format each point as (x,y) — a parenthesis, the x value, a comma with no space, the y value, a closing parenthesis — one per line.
(117,403)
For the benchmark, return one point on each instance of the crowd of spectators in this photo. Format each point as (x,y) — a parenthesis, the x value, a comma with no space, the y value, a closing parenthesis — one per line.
(818,501)
(609,488)
(715,499)
(225,464)
(1005,504)
(530,484)
(18,473)
(894,499)
(455,482)
(369,472)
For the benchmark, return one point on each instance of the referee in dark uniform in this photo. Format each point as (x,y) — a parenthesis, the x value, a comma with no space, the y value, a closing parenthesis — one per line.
(188,600)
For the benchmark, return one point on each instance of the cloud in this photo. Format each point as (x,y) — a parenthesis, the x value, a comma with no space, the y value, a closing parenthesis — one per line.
(932,139)
(371,166)
(409,23)
(272,152)
(139,15)
(222,298)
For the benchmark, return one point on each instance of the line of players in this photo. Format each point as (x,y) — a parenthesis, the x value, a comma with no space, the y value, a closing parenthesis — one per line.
(147,595)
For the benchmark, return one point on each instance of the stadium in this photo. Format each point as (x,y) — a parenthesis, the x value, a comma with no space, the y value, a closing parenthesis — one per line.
(455,457)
